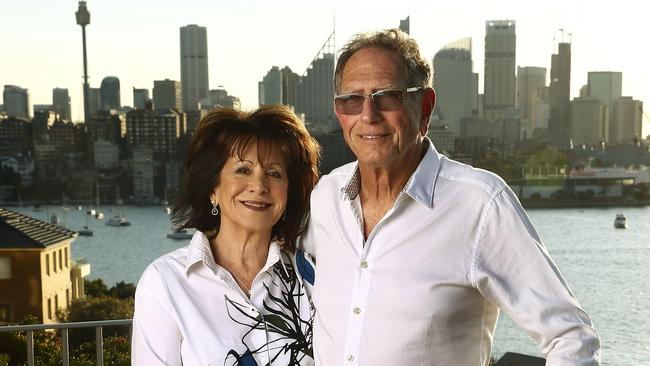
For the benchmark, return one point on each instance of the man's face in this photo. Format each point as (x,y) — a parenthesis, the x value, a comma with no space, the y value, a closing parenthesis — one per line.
(381,139)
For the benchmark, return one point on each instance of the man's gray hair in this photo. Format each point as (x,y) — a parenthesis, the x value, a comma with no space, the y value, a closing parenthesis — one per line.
(418,71)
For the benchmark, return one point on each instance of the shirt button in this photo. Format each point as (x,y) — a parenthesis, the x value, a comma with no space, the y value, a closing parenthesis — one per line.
(350,358)
(357,311)
(364,264)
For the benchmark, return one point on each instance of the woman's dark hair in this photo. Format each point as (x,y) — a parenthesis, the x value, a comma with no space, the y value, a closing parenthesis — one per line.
(226,132)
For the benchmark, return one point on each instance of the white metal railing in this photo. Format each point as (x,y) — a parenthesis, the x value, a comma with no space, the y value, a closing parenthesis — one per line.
(64,327)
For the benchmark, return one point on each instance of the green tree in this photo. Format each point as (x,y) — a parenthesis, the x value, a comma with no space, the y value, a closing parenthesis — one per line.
(93,309)
(123,290)
(95,288)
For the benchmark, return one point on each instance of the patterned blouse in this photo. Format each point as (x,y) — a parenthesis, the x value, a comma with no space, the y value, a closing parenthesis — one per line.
(190,311)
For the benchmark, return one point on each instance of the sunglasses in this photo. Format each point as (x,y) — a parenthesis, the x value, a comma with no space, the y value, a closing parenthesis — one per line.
(384,100)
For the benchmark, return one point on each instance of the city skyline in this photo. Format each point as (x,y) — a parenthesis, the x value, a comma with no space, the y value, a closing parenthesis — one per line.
(139,43)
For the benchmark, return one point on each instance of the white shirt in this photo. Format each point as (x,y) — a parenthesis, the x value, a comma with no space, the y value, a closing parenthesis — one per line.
(190,311)
(426,286)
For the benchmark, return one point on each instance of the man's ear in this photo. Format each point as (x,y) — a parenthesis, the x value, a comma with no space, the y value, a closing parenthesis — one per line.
(428,103)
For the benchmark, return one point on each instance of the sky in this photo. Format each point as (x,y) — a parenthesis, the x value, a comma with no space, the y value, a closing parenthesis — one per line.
(138,40)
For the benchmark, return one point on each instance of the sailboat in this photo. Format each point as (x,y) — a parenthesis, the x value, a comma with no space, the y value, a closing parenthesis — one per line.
(86,230)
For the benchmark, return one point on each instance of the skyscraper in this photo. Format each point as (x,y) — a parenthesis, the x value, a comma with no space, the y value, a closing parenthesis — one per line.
(94,101)
(627,124)
(453,82)
(405,25)
(16,101)
(499,84)
(194,65)
(61,103)
(316,94)
(290,86)
(272,87)
(110,93)
(167,94)
(531,90)
(606,86)
(140,98)
(560,95)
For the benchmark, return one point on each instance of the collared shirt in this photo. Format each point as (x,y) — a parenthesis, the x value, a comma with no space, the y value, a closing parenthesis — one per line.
(426,286)
(190,311)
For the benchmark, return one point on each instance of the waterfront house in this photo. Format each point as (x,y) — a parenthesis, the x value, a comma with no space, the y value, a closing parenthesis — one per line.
(37,275)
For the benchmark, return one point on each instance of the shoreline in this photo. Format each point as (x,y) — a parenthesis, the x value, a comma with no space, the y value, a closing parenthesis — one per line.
(527,204)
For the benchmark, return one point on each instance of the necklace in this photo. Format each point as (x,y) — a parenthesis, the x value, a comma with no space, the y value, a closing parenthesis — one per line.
(239,282)
(246,288)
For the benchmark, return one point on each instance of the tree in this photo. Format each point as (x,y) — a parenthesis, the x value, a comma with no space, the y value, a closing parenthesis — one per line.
(97,308)
(95,288)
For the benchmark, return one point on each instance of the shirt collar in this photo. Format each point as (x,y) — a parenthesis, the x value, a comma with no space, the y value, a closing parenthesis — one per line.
(420,185)
(199,252)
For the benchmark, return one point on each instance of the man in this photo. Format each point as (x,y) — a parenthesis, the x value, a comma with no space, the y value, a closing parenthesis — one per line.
(416,253)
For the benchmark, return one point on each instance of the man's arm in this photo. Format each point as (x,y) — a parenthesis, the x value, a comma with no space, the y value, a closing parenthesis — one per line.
(513,270)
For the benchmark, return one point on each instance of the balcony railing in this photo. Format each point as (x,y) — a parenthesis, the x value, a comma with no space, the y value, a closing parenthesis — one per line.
(64,327)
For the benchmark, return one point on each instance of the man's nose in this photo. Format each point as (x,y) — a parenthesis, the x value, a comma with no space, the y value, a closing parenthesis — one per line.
(369,111)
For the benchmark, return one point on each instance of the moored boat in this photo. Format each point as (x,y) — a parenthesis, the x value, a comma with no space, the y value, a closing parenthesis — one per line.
(620,222)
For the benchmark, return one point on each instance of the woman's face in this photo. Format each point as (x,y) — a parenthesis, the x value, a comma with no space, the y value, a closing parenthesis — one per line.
(252,194)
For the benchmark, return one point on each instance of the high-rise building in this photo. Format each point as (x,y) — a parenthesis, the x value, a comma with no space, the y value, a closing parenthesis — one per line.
(16,101)
(453,81)
(220,98)
(272,87)
(140,98)
(94,101)
(167,94)
(560,95)
(627,124)
(499,83)
(531,91)
(110,93)
(589,121)
(290,86)
(279,86)
(158,130)
(316,95)
(405,25)
(194,65)
(61,103)
(606,86)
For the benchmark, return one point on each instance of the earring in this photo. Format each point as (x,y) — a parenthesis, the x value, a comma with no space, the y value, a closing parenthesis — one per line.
(284,216)
(215,209)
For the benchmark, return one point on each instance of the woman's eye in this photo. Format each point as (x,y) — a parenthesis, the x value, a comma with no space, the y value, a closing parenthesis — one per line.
(242,170)
(275,174)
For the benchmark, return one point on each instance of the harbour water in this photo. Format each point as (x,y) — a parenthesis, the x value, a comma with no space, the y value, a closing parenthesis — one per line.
(608,269)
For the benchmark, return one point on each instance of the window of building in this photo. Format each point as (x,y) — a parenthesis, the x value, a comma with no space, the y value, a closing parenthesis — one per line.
(47,264)
(67,297)
(61,259)
(5,268)
(56,303)
(65,254)
(54,262)
(49,308)
(5,313)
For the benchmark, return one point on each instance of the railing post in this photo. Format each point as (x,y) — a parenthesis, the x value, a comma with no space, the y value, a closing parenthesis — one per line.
(99,345)
(65,347)
(30,347)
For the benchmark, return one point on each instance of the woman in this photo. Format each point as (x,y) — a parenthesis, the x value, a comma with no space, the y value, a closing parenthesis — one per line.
(236,294)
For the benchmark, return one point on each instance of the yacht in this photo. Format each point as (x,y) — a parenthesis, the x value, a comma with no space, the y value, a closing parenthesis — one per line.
(118,220)
(85,231)
(620,222)
(99,215)
(180,234)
